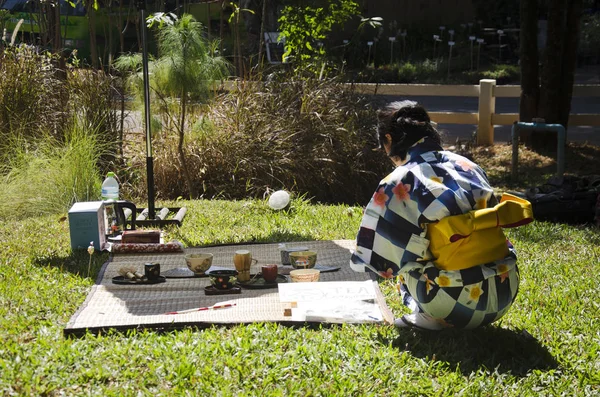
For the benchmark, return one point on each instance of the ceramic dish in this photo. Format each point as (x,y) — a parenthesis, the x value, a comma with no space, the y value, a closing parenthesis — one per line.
(322,268)
(144,280)
(223,279)
(184,272)
(211,290)
(260,283)
(199,263)
(181,272)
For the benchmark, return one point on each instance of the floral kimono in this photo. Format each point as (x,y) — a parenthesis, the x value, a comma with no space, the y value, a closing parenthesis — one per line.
(392,241)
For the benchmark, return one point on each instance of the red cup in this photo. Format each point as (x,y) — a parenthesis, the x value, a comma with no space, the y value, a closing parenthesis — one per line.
(269,273)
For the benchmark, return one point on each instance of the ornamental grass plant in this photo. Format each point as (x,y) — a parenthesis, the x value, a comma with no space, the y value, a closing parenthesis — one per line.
(312,137)
(59,133)
(50,175)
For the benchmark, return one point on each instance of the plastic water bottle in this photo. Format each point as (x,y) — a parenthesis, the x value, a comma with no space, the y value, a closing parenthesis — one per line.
(110,187)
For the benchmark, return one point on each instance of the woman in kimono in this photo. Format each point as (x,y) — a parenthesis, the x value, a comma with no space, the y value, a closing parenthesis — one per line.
(428,185)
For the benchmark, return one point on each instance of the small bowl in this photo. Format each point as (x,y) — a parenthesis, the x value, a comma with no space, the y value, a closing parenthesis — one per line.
(303,259)
(199,263)
(305,275)
(223,279)
(285,253)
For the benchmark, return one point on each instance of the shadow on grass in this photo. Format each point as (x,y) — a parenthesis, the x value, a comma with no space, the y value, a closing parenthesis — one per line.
(492,348)
(76,262)
(277,237)
(533,168)
(582,159)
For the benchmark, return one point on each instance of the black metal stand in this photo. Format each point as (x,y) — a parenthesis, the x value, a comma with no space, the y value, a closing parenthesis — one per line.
(141,6)
(147,217)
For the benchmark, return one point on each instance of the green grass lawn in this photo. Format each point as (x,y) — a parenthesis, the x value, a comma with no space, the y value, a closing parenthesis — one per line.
(548,344)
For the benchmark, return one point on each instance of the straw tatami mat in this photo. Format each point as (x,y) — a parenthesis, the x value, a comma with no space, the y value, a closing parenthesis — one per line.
(121,307)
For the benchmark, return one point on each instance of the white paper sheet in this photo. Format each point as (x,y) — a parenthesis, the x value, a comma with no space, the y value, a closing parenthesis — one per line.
(338,311)
(334,302)
(331,290)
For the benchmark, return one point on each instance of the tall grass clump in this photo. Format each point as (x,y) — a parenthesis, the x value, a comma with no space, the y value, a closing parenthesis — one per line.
(32,96)
(58,133)
(93,95)
(50,177)
(313,137)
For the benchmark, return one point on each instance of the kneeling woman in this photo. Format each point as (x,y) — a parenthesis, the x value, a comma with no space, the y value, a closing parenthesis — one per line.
(460,272)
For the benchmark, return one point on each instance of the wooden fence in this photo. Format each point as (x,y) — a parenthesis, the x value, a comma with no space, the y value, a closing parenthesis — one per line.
(487,91)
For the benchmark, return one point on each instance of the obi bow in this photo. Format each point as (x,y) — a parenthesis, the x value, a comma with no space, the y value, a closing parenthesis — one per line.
(462,241)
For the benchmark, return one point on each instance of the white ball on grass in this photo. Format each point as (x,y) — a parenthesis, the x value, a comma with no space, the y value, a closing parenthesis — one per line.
(279,200)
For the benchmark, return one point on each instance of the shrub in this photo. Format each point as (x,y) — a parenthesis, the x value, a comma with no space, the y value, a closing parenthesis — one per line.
(92,94)
(422,72)
(31,96)
(503,74)
(313,137)
(52,177)
(37,102)
(58,133)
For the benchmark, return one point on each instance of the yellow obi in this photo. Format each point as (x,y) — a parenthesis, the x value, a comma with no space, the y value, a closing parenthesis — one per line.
(462,241)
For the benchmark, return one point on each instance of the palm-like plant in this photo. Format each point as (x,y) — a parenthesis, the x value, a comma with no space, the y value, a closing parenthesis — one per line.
(186,68)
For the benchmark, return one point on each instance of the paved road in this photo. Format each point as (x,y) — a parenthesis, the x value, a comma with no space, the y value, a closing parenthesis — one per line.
(503,105)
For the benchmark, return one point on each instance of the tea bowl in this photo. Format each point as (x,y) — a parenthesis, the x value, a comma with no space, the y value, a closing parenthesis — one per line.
(303,259)
(223,279)
(285,253)
(305,275)
(199,263)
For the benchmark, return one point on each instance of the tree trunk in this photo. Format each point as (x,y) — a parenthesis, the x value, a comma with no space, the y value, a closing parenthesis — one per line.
(58,45)
(50,34)
(92,28)
(57,40)
(221,28)
(138,30)
(49,24)
(238,40)
(112,24)
(44,15)
(208,24)
(186,172)
(558,69)
(571,38)
(530,90)
(31,26)
(261,39)
(121,29)
(552,71)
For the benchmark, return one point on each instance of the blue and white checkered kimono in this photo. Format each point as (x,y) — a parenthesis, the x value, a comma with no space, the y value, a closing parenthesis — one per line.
(430,185)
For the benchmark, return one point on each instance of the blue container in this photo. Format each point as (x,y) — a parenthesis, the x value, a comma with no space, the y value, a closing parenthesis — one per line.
(87,223)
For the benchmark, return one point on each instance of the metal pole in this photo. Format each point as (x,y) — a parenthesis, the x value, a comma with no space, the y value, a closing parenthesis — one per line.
(541,126)
(141,6)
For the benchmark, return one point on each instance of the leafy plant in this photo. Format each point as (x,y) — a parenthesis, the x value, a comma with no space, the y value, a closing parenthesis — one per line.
(305,27)
(183,72)
(234,22)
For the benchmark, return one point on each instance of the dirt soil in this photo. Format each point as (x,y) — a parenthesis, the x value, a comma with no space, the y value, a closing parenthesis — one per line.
(533,168)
